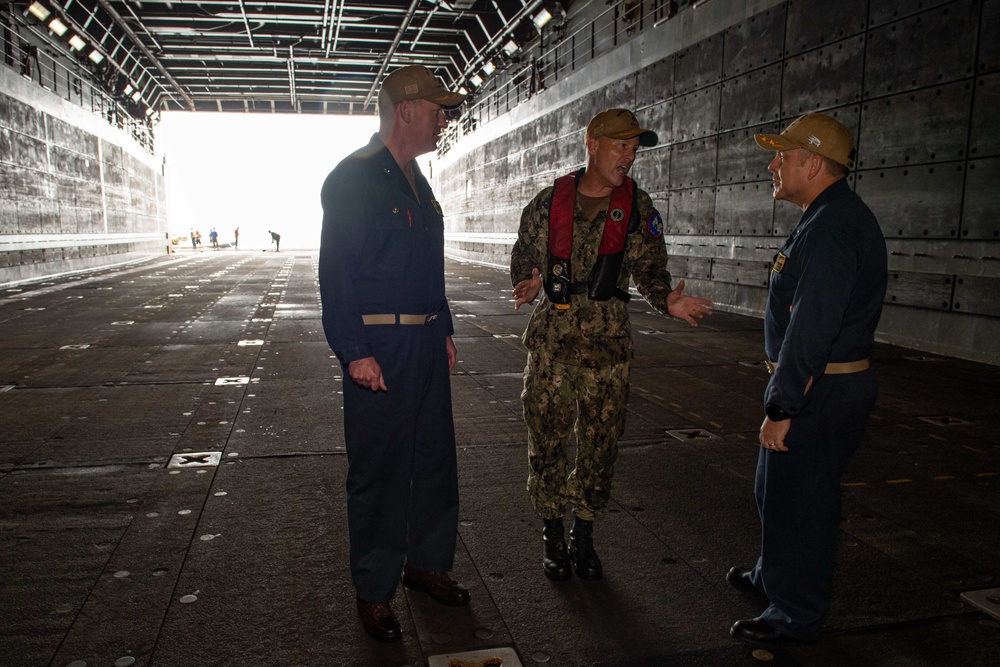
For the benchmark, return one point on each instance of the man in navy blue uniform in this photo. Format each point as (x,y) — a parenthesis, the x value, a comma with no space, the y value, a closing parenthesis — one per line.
(381,275)
(827,285)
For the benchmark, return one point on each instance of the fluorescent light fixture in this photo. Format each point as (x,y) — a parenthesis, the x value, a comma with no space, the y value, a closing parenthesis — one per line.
(463,91)
(96,56)
(476,80)
(510,48)
(39,11)
(136,96)
(77,42)
(489,67)
(541,18)
(129,89)
(58,27)
(149,112)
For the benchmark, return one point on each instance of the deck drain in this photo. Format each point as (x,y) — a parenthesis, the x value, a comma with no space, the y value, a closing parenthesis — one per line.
(237,380)
(490,657)
(195,460)
(943,420)
(693,435)
(987,600)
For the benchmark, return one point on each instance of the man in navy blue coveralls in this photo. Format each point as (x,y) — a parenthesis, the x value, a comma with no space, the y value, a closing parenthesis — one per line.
(827,285)
(381,274)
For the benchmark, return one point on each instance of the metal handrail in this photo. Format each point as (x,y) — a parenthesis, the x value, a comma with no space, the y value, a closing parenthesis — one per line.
(33,60)
(564,54)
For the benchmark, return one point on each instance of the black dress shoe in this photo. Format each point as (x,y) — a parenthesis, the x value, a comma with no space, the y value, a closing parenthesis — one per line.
(739,579)
(379,620)
(555,557)
(438,585)
(759,633)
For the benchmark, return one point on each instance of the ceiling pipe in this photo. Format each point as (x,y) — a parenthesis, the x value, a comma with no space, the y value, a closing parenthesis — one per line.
(246,24)
(392,50)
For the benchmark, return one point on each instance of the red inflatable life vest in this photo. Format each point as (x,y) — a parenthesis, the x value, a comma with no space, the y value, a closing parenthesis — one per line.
(622,217)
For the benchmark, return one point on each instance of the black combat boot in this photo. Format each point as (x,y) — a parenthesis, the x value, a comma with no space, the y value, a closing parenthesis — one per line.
(555,560)
(581,550)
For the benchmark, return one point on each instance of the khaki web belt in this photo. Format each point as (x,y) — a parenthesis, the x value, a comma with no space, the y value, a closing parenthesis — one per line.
(841,368)
(394,318)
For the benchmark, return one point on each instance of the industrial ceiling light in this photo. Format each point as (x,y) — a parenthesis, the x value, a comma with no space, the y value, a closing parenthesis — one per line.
(489,67)
(510,48)
(58,27)
(129,89)
(96,56)
(541,18)
(462,90)
(39,11)
(136,96)
(77,42)
(476,80)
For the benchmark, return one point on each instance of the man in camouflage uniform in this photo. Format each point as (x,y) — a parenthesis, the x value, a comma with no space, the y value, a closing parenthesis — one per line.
(579,340)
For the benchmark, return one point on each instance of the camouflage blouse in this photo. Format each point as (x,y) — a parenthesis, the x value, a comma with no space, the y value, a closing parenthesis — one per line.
(589,333)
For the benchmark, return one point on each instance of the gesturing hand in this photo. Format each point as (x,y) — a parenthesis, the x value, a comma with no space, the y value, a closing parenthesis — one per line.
(687,308)
(526,290)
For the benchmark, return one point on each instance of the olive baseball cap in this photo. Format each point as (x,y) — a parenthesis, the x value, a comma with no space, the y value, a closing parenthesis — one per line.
(816,132)
(619,124)
(416,82)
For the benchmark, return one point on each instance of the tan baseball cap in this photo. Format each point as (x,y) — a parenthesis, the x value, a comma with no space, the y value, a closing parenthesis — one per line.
(416,82)
(619,124)
(816,132)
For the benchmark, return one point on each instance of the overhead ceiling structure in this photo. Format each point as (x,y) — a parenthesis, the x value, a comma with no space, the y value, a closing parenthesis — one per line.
(304,56)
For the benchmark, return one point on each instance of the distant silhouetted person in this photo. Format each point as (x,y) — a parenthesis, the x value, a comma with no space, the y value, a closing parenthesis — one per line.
(236,236)
(276,240)
(213,236)
(194,240)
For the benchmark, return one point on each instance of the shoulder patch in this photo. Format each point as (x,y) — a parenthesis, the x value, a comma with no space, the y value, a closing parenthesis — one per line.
(655,224)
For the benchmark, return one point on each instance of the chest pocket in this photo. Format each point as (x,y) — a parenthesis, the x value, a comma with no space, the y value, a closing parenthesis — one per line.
(391,240)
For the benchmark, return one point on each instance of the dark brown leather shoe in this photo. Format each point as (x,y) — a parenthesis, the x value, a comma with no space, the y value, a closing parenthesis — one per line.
(379,620)
(438,585)
(758,633)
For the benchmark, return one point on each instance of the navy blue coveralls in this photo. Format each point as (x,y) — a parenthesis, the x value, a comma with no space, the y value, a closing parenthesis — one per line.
(382,253)
(827,285)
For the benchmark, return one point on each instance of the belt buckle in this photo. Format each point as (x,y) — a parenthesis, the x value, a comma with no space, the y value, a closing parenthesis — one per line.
(430,318)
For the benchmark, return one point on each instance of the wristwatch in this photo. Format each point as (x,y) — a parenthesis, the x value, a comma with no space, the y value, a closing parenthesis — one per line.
(775,413)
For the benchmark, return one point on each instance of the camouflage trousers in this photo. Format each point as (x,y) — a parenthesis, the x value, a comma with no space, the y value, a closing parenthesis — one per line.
(559,399)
